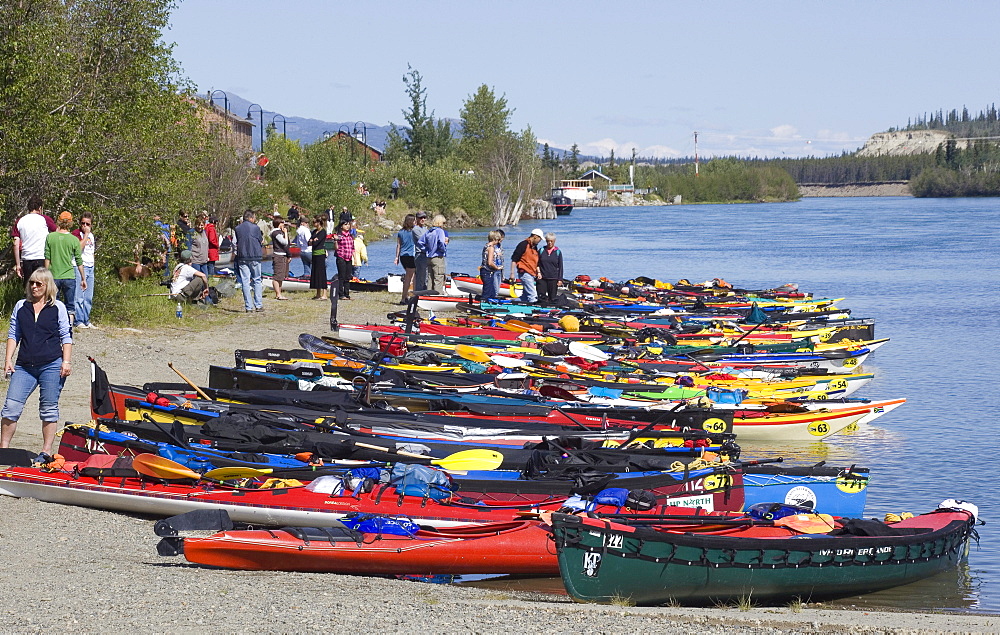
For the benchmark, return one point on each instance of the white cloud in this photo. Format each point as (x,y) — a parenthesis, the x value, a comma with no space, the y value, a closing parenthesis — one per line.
(785,131)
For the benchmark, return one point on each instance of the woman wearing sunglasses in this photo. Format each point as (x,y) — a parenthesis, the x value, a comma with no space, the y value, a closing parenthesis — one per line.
(40,328)
(85,291)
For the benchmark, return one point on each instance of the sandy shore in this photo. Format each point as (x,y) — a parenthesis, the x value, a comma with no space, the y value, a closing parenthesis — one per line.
(64,568)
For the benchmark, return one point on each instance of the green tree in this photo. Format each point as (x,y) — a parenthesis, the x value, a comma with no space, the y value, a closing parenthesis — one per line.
(506,163)
(101,125)
(484,117)
(423,137)
(574,159)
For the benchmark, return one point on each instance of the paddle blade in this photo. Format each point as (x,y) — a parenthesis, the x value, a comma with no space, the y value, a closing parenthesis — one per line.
(509,362)
(236,472)
(472,353)
(587,351)
(159,467)
(314,344)
(479,459)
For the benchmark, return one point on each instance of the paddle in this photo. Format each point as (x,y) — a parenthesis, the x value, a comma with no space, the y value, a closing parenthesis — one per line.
(472,353)
(235,472)
(478,459)
(588,352)
(519,326)
(159,467)
(200,392)
(509,362)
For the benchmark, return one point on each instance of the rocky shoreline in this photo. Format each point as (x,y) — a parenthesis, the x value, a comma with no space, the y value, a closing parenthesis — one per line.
(66,568)
(878,189)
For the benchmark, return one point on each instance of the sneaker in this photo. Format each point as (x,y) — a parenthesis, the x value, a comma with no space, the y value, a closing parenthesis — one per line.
(91,325)
(260,309)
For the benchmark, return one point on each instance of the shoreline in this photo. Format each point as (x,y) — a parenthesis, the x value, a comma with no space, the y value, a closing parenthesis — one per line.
(877,189)
(96,571)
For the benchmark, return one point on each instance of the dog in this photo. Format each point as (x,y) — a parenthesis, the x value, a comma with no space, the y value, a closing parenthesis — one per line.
(135,271)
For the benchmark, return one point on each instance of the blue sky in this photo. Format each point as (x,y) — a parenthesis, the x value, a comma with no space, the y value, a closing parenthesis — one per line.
(776,78)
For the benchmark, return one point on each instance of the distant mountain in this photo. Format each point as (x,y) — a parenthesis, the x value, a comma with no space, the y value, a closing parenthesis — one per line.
(303,129)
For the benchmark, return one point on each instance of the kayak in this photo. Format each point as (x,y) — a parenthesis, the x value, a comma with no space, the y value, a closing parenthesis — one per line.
(519,547)
(609,562)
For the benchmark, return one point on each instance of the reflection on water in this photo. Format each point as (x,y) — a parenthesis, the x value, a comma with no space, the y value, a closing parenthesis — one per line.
(926,270)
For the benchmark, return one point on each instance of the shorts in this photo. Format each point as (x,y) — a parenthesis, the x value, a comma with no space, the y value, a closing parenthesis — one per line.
(408,262)
(280,264)
(24,381)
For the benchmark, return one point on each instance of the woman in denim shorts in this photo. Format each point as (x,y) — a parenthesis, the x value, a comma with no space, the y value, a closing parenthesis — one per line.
(40,329)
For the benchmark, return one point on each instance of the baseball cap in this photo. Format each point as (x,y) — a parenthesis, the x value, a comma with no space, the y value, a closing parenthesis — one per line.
(421,214)
(65,216)
(537,232)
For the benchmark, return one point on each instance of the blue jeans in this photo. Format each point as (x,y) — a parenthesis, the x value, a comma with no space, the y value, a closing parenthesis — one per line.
(253,286)
(420,275)
(24,381)
(84,297)
(67,287)
(205,268)
(489,285)
(528,293)
(306,260)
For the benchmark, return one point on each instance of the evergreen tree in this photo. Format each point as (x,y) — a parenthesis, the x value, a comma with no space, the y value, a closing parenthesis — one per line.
(574,159)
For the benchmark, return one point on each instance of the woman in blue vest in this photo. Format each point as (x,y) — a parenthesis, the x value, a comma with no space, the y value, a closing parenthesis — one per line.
(40,327)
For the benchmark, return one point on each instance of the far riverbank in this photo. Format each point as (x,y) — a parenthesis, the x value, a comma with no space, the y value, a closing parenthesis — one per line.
(877,189)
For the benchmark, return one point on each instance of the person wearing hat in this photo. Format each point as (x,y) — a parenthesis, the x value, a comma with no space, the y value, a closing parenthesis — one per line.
(420,256)
(435,246)
(550,270)
(345,254)
(524,261)
(64,258)
(187,283)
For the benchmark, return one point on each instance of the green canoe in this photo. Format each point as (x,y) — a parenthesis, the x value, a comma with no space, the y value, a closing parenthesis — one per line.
(603,561)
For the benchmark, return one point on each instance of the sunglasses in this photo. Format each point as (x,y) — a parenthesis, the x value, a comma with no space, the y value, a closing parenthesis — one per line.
(36,283)
(87,224)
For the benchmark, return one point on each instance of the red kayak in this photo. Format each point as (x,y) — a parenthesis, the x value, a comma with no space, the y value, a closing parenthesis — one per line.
(516,547)
(302,507)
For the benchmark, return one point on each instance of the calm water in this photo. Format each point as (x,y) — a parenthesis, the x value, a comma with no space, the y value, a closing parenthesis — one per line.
(927,270)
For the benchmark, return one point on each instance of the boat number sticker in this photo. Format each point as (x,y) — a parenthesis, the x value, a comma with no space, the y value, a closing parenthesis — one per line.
(614,541)
(838,384)
(851,361)
(801,495)
(852,483)
(591,563)
(717,481)
(821,396)
(714,424)
(851,427)
(819,428)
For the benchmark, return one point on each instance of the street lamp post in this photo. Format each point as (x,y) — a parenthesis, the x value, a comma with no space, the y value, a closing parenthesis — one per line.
(260,112)
(284,124)
(225,98)
(362,127)
(346,131)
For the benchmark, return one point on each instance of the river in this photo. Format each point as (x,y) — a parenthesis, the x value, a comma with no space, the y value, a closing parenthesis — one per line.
(927,270)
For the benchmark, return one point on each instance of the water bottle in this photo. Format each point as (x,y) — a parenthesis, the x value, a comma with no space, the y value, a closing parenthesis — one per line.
(180,311)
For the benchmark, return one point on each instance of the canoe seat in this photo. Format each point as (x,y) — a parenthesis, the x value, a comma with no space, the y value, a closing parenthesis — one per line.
(328,534)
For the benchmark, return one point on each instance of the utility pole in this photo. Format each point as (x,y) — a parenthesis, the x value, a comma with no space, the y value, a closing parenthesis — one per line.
(696,154)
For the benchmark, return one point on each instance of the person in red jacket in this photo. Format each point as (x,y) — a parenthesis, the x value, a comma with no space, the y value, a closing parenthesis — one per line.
(213,241)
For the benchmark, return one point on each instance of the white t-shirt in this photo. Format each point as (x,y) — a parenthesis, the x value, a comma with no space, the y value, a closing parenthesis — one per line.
(33,231)
(184,274)
(302,236)
(88,244)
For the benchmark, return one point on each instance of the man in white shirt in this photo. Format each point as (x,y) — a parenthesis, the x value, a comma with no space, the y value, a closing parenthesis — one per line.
(29,239)
(188,283)
(302,236)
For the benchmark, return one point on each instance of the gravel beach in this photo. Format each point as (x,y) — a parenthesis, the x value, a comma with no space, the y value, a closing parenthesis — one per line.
(66,569)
